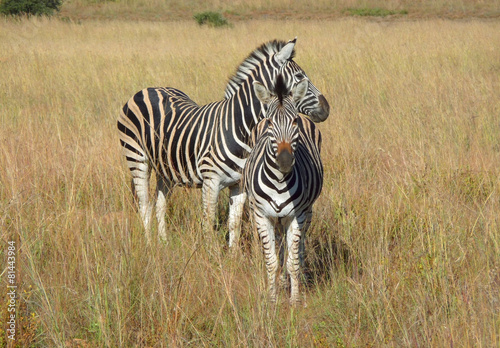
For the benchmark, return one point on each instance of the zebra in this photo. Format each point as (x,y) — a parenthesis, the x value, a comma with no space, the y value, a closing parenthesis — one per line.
(283,177)
(163,130)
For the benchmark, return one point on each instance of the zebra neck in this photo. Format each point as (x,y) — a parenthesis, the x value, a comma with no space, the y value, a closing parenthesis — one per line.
(249,101)
(247,109)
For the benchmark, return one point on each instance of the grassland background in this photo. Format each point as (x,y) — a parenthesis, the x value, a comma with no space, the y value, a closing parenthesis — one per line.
(404,249)
(273,9)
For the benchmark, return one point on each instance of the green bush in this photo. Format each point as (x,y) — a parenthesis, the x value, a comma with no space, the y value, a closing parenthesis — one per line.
(374,12)
(30,7)
(214,19)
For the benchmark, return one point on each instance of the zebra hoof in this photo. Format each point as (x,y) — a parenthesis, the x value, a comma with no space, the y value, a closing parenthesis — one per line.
(296,302)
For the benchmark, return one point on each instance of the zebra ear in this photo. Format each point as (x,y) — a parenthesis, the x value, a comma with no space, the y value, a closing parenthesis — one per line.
(286,52)
(300,90)
(262,92)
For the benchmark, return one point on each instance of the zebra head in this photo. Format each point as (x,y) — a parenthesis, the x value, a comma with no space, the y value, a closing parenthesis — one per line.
(276,58)
(313,104)
(281,121)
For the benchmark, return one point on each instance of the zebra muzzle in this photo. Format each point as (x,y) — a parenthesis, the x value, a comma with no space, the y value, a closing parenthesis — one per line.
(285,158)
(321,111)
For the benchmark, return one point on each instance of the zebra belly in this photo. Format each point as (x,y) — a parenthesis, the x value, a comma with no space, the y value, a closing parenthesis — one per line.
(226,175)
(230,179)
(179,166)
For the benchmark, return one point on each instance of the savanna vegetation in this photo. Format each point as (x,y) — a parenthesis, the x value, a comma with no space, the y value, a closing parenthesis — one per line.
(236,10)
(404,249)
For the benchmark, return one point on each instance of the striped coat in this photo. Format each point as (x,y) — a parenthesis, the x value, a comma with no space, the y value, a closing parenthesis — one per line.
(163,131)
(283,177)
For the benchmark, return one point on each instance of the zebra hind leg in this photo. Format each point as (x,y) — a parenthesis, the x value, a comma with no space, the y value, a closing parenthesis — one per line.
(163,189)
(140,182)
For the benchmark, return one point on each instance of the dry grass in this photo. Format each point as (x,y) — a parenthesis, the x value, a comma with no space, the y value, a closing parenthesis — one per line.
(276,9)
(405,246)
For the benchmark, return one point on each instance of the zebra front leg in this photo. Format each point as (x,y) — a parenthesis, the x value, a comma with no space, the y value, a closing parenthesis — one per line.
(163,188)
(293,237)
(237,200)
(279,233)
(302,247)
(210,195)
(265,229)
(140,181)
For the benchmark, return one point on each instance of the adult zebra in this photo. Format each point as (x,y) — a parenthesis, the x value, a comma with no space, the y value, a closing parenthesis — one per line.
(162,129)
(283,176)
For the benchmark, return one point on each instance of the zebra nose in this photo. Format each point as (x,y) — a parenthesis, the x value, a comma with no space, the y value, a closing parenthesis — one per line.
(285,158)
(324,108)
(321,110)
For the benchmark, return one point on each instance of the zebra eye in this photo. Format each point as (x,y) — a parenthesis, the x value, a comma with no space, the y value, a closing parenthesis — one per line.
(294,123)
(299,76)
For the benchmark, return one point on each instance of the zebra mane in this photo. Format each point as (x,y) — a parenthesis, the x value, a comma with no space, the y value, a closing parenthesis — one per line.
(254,59)
(280,88)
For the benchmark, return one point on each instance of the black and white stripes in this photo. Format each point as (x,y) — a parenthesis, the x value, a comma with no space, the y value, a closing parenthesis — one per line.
(283,176)
(163,130)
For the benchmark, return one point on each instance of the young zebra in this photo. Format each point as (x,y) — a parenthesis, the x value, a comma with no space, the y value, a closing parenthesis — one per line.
(283,177)
(162,129)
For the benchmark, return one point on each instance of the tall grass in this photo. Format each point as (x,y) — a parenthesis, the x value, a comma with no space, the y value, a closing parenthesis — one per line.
(245,9)
(404,249)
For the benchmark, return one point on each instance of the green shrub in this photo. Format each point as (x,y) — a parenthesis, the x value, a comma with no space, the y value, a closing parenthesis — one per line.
(374,12)
(213,19)
(30,7)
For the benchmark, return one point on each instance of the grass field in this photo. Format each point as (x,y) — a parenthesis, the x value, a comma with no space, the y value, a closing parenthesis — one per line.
(404,249)
(237,10)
